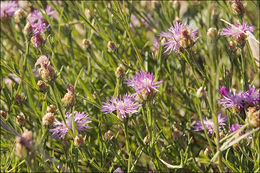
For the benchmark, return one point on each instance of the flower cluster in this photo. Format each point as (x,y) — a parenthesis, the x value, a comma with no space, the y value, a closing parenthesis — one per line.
(61,129)
(209,124)
(179,36)
(46,71)
(238,101)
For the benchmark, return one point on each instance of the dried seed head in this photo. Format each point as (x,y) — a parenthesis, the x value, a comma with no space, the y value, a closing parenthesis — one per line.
(20,119)
(68,99)
(19,15)
(119,71)
(28,29)
(241,40)
(78,141)
(111,46)
(108,135)
(85,43)
(3,113)
(42,86)
(185,38)
(19,98)
(232,46)
(51,109)
(146,139)
(37,40)
(27,135)
(212,33)
(48,119)
(253,116)
(200,92)
(238,7)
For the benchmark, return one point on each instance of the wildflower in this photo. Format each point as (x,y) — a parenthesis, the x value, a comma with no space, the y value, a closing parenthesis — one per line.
(20,119)
(212,32)
(8,8)
(42,86)
(46,71)
(143,83)
(234,127)
(78,141)
(9,81)
(231,100)
(37,40)
(119,71)
(51,109)
(251,96)
(124,106)
(238,7)
(253,117)
(178,36)
(237,31)
(48,119)
(209,124)
(19,14)
(69,97)
(81,120)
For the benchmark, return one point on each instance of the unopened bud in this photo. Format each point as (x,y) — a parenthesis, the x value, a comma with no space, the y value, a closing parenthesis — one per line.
(253,116)
(238,7)
(111,46)
(3,113)
(19,14)
(78,141)
(119,71)
(20,119)
(212,32)
(51,109)
(146,139)
(108,135)
(85,43)
(42,86)
(48,119)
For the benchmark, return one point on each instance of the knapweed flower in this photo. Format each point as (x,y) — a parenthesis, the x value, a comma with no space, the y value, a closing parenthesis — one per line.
(69,97)
(179,36)
(8,8)
(234,127)
(252,97)
(80,118)
(124,107)
(46,71)
(209,124)
(143,83)
(231,100)
(237,31)
(9,81)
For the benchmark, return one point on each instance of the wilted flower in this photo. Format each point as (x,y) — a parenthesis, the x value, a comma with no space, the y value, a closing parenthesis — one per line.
(209,124)
(46,71)
(8,8)
(237,31)
(19,14)
(28,30)
(48,119)
(81,120)
(179,35)
(238,7)
(124,107)
(212,32)
(143,83)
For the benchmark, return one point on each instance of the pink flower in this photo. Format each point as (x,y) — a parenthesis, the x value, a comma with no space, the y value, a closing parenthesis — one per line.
(123,107)
(237,30)
(8,8)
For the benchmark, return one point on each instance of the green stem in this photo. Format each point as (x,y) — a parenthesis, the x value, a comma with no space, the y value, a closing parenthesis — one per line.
(127,144)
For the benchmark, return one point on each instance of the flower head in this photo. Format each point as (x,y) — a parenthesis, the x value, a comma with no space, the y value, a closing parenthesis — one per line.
(179,35)
(8,8)
(9,81)
(143,82)
(209,124)
(251,96)
(234,127)
(81,120)
(123,107)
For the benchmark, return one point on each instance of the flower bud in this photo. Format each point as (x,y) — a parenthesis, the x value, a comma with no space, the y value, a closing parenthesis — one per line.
(200,92)
(48,119)
(78,141)
(19,98)
(111,46)
(108,135)
(119,71)
(51,109)
(253,116)
(232,46)
(68,99)
(212,33)
(238,7)
(42,86)
(146,139)
(20,119)
(19,15)
(85,43)
(3,113)
(28,29)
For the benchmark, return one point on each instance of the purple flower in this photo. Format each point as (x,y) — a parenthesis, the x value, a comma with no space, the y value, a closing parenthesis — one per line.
(178,35)
(81,119)
(37,17)
(8,8)
(8,81)
(156,44)
(143,82)
(231,100)
(209,124)
(252,96)
(123,107)
(234,127)
(237,30)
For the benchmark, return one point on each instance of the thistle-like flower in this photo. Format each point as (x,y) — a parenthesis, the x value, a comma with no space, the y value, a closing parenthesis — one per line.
(252,97)
(143,83)
(234,127)
(81,120)
(209,124)
(179,36)
(124,107)
(46,71)
(8,8)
